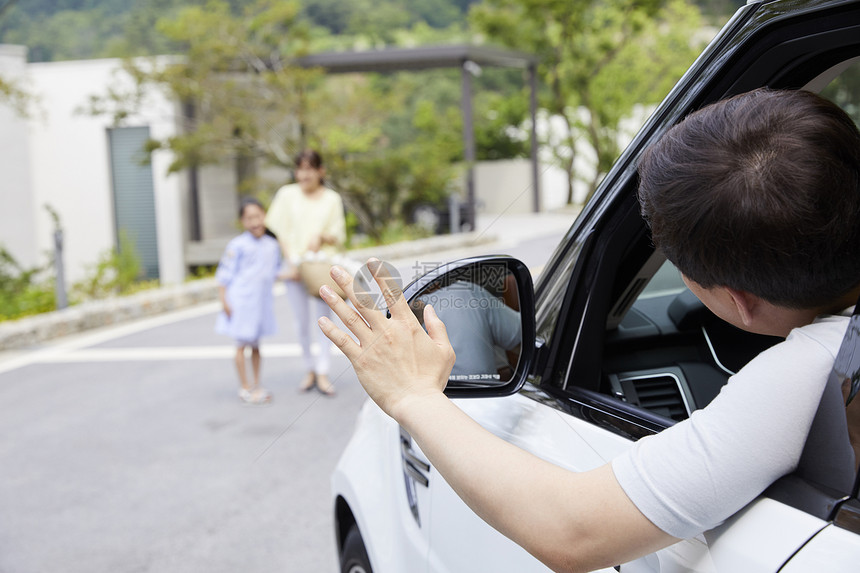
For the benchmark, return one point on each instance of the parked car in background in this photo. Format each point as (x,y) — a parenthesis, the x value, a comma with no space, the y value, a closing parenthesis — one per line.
(612,348)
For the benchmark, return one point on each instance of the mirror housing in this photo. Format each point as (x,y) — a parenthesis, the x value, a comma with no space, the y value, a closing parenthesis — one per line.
(477,274)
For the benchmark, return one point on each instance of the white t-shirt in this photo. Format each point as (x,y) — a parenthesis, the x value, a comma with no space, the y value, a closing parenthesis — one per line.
(694,475)
(479,324)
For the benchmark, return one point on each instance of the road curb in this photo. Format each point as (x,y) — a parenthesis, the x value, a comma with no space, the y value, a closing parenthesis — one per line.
(95,314)
(32,330)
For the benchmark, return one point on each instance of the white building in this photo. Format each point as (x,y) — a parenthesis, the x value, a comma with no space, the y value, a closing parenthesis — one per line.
(97,177)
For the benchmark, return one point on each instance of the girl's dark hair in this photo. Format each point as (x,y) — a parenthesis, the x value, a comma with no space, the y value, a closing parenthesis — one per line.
(243,204)
(760,193)
(247,201)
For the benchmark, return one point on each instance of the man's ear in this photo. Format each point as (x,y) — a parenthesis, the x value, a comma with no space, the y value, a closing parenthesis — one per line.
(747,305)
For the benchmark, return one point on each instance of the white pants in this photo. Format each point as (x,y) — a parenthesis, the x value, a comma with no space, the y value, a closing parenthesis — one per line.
(300,303)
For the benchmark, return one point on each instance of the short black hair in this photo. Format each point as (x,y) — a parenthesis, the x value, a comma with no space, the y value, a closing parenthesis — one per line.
(761,193)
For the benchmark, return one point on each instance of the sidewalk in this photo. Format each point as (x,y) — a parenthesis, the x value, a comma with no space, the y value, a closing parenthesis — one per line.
(497,231)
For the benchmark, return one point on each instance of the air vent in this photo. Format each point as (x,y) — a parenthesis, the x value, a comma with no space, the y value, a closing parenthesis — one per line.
(659,393)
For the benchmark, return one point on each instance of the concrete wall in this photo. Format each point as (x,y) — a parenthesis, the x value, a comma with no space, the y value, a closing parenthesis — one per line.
(219,203)
(67,154)
(70,163)
(17,203)
(505,186)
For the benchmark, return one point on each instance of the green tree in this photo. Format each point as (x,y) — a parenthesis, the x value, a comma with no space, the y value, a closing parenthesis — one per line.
(395,141)
(386,152)
(245,99)
(63,34)
(248,101)
(844,90)
(11,91)
(598,59)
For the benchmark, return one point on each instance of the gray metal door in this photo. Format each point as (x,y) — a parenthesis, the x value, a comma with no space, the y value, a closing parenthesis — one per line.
(133,194)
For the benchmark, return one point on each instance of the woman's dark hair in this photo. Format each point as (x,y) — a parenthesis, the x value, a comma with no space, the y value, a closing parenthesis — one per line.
(309,156)
(760,193)
(312,158)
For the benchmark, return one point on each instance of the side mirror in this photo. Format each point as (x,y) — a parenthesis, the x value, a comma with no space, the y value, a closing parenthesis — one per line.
(487,305)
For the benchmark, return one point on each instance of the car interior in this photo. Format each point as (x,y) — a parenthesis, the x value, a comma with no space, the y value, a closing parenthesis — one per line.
(667,320)
(663,350)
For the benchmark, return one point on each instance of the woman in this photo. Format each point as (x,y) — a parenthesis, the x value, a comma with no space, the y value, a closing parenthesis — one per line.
(308,218)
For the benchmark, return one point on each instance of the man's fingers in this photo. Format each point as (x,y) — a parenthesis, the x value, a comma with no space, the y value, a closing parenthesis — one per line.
(391,291)
(363,301)
(340,339)
(350,318)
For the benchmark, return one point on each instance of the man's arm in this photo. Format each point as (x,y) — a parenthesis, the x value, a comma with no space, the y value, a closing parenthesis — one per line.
(570,521)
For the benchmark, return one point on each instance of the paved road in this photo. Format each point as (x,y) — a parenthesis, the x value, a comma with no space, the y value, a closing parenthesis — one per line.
(126,449)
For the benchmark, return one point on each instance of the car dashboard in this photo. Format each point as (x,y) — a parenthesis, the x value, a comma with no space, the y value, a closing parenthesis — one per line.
(671,355)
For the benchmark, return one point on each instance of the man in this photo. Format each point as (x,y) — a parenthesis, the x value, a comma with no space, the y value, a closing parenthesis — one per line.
(756,200)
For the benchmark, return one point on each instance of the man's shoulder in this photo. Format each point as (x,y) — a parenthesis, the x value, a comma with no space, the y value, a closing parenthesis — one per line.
(807,353)
(825,331)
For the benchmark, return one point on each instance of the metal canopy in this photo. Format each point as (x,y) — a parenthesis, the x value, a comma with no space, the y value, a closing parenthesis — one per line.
(466,57)
(424,58)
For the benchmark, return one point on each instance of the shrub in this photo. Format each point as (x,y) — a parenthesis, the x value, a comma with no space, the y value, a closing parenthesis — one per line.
(20,292)
(117,272)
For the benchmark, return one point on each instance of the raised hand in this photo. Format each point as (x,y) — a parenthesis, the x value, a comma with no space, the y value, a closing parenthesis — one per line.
(395,359)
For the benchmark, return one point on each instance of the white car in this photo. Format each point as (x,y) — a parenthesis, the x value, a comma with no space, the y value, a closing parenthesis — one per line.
(610,347)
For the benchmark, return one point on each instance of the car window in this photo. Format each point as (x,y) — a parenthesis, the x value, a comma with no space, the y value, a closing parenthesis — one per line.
(844,88)
(663,350)
(553,295)
(623,315)
(666,281)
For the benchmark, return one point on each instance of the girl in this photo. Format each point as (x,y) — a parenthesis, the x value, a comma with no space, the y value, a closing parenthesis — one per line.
(308,218)
(245,276)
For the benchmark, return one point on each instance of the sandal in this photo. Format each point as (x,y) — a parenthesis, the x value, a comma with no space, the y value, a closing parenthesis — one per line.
(308,382)
(256,397)
(324,386)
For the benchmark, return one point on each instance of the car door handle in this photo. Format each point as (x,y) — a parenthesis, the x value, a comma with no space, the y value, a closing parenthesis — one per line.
(414,471)
(413,466)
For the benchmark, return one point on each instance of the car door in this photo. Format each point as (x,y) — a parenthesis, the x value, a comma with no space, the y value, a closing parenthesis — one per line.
(835,548)
(459,540)
(617,361)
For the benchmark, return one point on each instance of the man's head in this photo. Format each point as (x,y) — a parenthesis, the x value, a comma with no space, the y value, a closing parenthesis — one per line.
(760,193)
